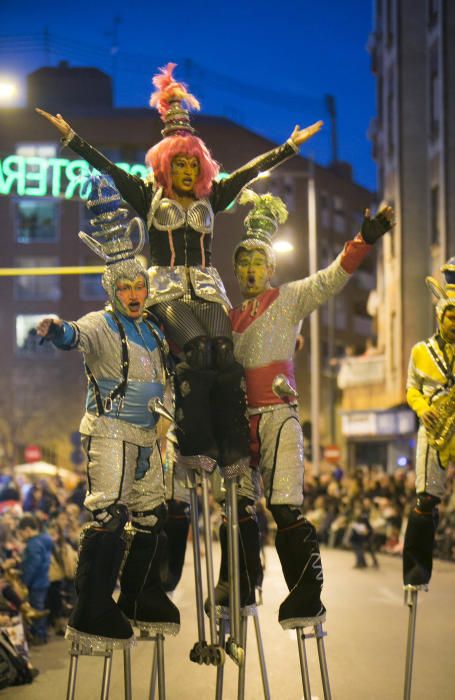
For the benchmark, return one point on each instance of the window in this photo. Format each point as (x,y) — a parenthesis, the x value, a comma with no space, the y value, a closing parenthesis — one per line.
(390,106)
(434,91)
(39,288)
(27,342)
(90,288)
(41,150)
(433,9)
(339,218)
(434,214)
(35,220)
(324,209)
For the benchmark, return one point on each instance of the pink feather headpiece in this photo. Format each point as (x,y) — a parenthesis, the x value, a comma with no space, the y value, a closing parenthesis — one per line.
(172,100)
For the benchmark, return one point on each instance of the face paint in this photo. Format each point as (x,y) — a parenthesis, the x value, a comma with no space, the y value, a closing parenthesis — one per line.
(253,273)
(184,172)
(130,296)
(447,325)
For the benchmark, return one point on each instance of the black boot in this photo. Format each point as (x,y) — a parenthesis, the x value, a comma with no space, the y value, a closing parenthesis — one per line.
(193,412)
(249,560)
(298,550)
(418,549)
(142,597)
(95,613)
(230,422)
(176,529)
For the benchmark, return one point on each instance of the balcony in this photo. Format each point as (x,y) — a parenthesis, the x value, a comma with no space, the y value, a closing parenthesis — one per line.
(359,371)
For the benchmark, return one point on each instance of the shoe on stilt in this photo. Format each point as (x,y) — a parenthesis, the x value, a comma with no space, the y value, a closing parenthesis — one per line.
(193,412)
(142,597)
(298,550)
(96,619)
(418,549)
(176,529)
(230,424)
(249,558)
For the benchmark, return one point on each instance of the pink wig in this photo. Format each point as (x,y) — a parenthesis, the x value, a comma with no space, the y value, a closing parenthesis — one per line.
(182,142)
(160,156)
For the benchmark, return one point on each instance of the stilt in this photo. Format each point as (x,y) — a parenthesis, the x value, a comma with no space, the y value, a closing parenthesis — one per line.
(224,618)
(410,598)
(198,470)
(319,634)
(103,648)
(158,668)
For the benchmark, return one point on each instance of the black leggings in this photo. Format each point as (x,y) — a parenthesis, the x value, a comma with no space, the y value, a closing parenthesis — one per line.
(190,317)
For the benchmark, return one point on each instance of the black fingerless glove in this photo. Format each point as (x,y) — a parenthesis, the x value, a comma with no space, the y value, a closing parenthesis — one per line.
(373,229)
(55,332)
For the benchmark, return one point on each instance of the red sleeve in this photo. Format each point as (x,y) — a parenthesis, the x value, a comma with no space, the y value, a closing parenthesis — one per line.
(353,253)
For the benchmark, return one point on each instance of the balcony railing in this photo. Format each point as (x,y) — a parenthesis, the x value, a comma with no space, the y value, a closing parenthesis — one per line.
(361,371)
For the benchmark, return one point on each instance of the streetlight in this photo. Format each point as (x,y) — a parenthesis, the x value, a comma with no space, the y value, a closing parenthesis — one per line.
(8,90)
(282,246)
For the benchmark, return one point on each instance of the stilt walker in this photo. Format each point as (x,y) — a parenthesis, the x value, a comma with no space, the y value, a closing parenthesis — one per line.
(178,202)
(125,361)
(431,394)
(265,329)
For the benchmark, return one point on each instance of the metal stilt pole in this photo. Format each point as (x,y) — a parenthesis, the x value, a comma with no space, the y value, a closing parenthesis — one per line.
(220,668)
(209,558)
(320,634)
(410,598)
(202,652)
(303,663)
(74,654)
(265,680)
(127,673)
(160,659)
(106,675)
(242,669)
(195,654)
(153,674)
(233,645)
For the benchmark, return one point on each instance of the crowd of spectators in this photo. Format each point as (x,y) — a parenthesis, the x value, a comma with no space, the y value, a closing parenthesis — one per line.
(368,512)
(41,520)
(40,523)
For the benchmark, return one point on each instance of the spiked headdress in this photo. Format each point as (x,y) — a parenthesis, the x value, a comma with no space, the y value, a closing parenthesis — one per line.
(111,235)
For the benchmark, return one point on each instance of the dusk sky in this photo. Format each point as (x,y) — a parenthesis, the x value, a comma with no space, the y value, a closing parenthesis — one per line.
(264,64)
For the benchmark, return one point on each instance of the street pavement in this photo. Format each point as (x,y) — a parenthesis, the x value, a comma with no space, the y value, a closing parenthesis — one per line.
(366,625)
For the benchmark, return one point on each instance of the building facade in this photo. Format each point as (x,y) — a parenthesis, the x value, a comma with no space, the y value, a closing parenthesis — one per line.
(41,210)
(413,59)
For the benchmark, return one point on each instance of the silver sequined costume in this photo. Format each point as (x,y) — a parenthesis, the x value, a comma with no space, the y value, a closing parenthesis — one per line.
(265,330)
(124,463)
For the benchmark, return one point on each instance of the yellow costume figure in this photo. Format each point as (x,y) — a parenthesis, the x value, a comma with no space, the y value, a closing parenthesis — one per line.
(431,394)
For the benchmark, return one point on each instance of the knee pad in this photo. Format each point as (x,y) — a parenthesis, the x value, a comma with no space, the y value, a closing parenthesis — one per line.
(198,352)
(426,503)
(223,353)
(112,518)
(285,516)
(150,520)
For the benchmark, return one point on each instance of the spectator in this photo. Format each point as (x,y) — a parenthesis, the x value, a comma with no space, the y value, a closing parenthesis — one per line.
(35,563)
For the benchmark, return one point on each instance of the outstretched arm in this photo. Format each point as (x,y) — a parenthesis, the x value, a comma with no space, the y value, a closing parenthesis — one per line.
(225,191)
(132,188)
(316,289)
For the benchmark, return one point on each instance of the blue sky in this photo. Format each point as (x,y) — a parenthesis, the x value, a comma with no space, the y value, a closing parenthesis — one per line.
(267,65)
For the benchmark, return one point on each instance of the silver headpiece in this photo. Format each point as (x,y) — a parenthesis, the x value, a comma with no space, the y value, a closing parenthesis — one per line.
(111,238)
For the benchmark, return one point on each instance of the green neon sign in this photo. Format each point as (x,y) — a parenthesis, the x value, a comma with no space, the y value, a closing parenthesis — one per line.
(34,176)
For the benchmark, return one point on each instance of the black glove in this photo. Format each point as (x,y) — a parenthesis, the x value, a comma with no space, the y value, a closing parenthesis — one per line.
(373,229)
(54,333)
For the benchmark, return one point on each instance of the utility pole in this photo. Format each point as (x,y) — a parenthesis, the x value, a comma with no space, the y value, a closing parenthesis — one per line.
(332,110)
(315,363)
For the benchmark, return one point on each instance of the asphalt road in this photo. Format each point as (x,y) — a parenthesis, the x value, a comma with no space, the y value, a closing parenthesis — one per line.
(366,625)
